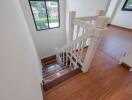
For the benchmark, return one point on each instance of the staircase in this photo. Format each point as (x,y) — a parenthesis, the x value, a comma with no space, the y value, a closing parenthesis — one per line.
(76,56)
(55,73)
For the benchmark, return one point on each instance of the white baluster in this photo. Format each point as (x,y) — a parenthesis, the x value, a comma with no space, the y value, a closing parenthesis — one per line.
(77,32)
(84,31)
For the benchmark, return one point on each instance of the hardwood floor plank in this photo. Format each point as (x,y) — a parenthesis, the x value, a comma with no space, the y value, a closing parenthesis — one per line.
(116,41)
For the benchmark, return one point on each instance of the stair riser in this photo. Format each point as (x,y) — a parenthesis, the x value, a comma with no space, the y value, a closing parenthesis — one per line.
(49,63)
(48,59)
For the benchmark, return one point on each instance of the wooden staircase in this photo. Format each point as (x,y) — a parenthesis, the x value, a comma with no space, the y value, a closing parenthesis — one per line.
(76,55)
(54,73)
(48,61)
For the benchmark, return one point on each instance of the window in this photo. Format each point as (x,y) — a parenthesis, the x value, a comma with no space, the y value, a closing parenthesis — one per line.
(45,13)
(128,5)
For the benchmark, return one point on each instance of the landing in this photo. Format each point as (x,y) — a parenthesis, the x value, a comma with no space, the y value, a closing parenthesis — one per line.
(116,41)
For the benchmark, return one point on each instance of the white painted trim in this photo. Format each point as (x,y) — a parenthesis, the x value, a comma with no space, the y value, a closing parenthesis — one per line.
(94,32)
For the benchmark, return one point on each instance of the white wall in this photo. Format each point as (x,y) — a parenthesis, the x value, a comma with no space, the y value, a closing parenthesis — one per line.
(122,18)
(84,8)
(47,40)
(111,9)
(20,74)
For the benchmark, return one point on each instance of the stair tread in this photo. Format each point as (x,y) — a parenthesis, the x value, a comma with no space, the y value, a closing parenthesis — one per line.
(60,79)
(57,74)
(50,61)
(48,58)
(53,72)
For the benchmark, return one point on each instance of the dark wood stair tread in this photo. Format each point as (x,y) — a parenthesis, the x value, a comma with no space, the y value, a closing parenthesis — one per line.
(57,74)
(48,59)
(48,73)
(49,63)
(55,79)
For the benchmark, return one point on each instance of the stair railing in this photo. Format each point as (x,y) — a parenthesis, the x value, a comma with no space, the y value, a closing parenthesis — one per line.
(80,51)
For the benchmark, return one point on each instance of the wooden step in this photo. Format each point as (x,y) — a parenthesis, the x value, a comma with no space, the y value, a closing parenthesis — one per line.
(48,61)
(48,58)
(59,77)
(57,74)
(47,73)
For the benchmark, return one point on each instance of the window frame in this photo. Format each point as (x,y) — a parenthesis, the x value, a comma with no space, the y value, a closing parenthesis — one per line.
(125,9)
(46,14)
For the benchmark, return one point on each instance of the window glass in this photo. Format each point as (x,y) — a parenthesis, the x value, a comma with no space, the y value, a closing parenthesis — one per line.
(52,8)
(45,13)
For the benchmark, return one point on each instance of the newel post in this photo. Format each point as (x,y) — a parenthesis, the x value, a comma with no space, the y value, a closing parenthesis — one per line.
(57,55)
(98,32)
(72,16)
(100,13)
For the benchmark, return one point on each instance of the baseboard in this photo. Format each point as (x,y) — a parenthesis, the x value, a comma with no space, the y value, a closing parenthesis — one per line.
(126,66)
(120,27)
(42,90)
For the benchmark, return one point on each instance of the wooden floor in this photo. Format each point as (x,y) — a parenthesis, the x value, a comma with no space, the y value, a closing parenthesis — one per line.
(116,41)
(106,80)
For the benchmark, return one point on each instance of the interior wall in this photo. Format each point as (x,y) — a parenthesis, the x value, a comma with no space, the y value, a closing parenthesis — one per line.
(122,18)
(84,8)
(112,9)
(20,74)
(46,40)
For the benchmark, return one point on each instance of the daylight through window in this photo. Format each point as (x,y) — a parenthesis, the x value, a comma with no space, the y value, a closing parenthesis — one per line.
(128,5)
(45,13)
